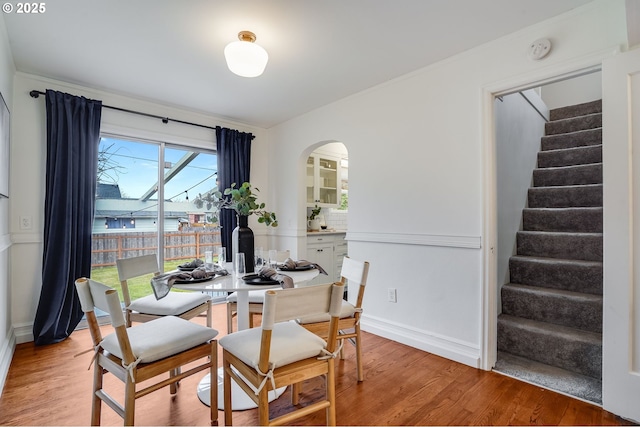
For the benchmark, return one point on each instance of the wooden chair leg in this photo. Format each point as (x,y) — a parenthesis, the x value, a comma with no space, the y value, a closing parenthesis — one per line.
(228,415)
(173,387)
(263,407)
(331,393)
(209,314)
(295,393)
(129,401)
(229,318)
(359,354)
(213,373)
(96,402)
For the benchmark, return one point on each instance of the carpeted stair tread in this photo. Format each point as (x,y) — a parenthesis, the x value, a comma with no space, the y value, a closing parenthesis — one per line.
(573,124)
(579,219)
(568,175)
(565,196)
(585,246)
(568,348)
(570,156)
(573,139)
(577,110)
(551,377)
(573,309)
(568,274)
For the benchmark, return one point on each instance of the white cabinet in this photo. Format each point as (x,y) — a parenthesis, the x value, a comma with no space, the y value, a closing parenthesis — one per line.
(323,181)
(327,250)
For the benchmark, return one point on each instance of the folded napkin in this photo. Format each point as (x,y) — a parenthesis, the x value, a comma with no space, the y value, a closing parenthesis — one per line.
(290,264)
(270,273)
(162,283)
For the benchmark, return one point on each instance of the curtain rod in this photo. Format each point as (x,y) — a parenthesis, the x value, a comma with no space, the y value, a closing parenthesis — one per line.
(165,120)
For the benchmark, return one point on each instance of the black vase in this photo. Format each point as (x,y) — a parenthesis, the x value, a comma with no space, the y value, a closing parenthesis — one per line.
(242,241)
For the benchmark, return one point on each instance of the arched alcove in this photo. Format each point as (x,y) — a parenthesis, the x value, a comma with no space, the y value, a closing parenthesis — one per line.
(324,195)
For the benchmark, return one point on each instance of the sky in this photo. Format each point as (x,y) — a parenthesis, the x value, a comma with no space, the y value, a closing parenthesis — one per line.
(134,167)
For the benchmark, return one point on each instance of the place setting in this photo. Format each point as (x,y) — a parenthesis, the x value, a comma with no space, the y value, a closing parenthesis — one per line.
(195,271)
(272,273)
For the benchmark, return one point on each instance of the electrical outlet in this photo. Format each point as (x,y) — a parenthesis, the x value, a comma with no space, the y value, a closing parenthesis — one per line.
(392,295)
(25,223)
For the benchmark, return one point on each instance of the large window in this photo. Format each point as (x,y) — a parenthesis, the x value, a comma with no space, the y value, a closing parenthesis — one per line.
(145,204)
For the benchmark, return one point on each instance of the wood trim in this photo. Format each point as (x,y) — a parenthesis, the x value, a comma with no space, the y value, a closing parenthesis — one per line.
(467,242)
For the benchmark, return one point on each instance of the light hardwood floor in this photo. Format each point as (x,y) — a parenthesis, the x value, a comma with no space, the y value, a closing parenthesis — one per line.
(50,385)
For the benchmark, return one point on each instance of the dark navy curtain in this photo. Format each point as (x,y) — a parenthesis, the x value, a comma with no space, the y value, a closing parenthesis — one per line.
(73,135)
(234,165)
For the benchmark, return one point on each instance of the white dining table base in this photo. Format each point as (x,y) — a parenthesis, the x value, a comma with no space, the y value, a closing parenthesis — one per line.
(239,402)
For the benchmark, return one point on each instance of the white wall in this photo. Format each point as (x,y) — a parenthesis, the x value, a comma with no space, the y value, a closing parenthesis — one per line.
(573,91)
(416,154)
(29,151)
(519,127)
(7,337)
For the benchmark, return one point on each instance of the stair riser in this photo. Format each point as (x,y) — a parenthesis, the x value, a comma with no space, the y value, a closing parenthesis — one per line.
(570,175)
(576,311)
(566,246)
(565,197)
(572,140)
(565,275)
(576,220)
(584,357)
(576,110)
(574,124)
(570,157)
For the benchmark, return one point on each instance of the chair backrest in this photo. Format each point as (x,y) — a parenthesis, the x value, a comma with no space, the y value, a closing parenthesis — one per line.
(128,268)
(289,304)
(355,272)
(95,294)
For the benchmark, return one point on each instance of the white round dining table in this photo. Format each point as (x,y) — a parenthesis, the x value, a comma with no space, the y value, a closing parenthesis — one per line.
(233,283)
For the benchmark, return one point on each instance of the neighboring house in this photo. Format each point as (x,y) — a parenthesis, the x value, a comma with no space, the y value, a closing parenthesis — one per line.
(115,214)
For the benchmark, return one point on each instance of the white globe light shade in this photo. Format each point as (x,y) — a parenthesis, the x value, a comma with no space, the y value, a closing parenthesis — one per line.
(246,58)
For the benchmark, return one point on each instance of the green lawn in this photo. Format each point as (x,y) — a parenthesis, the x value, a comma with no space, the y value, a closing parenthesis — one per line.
(138,287)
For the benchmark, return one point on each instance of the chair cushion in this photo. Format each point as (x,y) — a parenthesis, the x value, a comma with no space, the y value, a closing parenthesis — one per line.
(290,342)
(161,338)
(174,304)
(256,297)
(347,310)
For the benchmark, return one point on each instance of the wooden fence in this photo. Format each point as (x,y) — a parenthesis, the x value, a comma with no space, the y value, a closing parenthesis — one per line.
(106,248)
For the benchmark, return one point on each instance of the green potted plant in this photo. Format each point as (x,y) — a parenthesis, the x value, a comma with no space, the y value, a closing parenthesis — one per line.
(314,224)
(244,201)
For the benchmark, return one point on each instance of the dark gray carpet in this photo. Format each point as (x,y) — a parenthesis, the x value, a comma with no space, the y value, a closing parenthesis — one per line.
(551,377)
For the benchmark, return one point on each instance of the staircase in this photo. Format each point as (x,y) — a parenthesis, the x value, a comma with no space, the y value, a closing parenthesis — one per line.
(550,329)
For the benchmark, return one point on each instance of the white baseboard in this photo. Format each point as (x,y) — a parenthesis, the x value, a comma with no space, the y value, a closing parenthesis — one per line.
(7,349)
(461,352)
(24,333)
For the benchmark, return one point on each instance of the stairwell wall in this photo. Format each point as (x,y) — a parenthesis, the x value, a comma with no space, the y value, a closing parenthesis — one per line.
(417,178)
(519,127)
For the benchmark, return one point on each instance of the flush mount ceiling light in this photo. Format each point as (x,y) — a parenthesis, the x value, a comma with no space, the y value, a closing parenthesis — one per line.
(244,57)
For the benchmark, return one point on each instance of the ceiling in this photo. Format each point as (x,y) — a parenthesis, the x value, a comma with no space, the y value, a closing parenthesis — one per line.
(171,51)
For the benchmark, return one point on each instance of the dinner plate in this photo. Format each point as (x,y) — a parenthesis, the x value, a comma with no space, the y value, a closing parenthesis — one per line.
(256,279)
(192,280)
(300,268)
